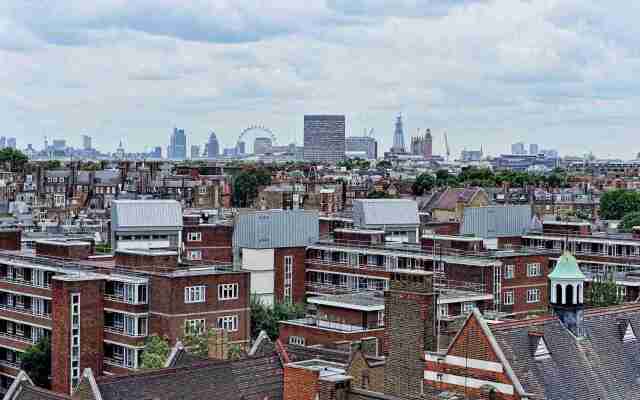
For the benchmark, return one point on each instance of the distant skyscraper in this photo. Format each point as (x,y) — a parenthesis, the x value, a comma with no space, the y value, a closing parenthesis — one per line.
(195,151)
(241,148)
(518,149)
(86,142)
(398,136)
(262,145)
(324,138)
(156,152)
(177,149)
(11,143)
(213,147)
(59,144)
(363,144)
(533,149)
(422,145)
(3,142)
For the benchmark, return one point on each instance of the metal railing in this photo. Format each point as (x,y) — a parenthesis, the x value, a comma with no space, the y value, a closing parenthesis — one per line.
(121,331)
(18,338)
(23,282)
(336,325)
(328,288)
(24,310)
(117,362)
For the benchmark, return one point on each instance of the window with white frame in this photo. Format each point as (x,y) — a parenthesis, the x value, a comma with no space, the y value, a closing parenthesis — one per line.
(468,306)
(381,318)
(228,291)
(203,190)
(229,323)
(288,277)
(534,269)
(372,260)
(509,271)
(194,294)
(443,310)
(343,257)
(297,340)
(195,255)
(194,326)
(508,298)
(533,295)
(194,236)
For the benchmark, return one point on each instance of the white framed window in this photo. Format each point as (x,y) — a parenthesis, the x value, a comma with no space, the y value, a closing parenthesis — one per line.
(195,255)
(194,236)
(534,269)
(343,257)
(228,291)
(372,260)
(381,318)
(203,190)
(509,271)
(288,277)
(468,306)
(229,323)
(533,295)
(297,340)
(443,310)
(195,294)
(194,326)
(508,298)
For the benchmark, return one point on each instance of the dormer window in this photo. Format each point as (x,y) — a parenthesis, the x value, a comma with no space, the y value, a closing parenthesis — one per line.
(629,334)
(542,352)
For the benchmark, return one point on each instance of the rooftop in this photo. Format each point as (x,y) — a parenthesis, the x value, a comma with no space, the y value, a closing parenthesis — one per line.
(356,301)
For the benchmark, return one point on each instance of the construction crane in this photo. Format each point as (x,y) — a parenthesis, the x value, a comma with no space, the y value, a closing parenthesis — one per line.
(446,147)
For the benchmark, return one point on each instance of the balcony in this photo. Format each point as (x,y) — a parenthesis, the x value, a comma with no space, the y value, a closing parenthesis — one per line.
(117,362)
(119,330)
(328,288)
(25,311)
(10,364)
(18,338)
(312,322)
(345,264)
(23,282)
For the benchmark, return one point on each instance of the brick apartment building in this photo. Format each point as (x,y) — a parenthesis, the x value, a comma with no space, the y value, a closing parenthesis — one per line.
(206,239)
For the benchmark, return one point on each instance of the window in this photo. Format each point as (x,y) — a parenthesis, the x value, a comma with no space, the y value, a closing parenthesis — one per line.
(203,190)
(297,340)
(194,326)
(343,257)
(194,294)
(194,237)
(381,318)
(372,260)
(228,291)
(533,295)
(508,298)
(468,306)
(443,310)
(195,255)
(533,269)
(509,271)
(288,277)
(229,323)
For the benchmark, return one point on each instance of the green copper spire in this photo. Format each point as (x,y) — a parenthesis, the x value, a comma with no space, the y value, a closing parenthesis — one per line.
(567,268)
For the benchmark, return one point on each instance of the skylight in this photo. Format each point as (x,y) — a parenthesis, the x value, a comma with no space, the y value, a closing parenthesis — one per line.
(542,352)
(629,335)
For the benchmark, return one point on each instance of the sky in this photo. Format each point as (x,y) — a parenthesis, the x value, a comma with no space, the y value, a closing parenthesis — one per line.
(559,73)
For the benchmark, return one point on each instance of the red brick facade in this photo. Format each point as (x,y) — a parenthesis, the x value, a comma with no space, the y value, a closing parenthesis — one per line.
(300,383)
(10,239)
(298,277)
(215,242)
(67,250)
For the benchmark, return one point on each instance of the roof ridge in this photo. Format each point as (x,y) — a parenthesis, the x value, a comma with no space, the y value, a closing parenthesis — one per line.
(524,322)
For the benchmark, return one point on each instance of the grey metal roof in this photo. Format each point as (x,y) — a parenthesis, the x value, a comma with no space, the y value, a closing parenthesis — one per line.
(380,212)
(134,214)
(276,228)
(495,221)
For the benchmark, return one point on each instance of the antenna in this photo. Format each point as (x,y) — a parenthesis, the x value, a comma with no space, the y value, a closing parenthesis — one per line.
(446,146)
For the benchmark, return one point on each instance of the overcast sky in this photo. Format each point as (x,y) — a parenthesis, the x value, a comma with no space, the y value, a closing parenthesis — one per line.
(558,73)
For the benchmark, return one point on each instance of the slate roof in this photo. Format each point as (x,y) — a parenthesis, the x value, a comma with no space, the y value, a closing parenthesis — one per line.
(598,366)
(302,353)
(252,378)
(383,212)
(450,197)
(28,392)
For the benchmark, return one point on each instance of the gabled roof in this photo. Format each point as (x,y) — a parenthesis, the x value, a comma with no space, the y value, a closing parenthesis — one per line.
(600,365)
(451,196)
(23,388)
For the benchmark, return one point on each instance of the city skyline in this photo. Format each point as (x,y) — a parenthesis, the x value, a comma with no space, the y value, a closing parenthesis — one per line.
(564,79)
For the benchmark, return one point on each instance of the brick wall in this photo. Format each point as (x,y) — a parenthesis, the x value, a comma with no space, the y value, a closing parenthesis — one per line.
(315,335)
(297,287)
(215,244)
(10,239)
(300,383)
(91,329)
(72,251)
(364,376)
(142,261)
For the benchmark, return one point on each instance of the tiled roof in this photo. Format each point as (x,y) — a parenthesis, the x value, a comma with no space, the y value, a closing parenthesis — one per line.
(450,197)
(251,378)
(302,353)
(28,392)
(599,365)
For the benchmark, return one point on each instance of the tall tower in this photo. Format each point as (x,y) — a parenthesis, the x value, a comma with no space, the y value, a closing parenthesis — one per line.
(398,136)
(410,305)
(567,293)
(428,144)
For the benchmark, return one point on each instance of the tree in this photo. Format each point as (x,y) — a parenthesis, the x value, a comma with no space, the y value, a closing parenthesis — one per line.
(246,183)
(234,352)
(615,204)
(53,164)
(603,292)
(384,164)
(379,195)
(424,183)
(265,318)
(629,221)
(36,362)
(15,158)
(156,351)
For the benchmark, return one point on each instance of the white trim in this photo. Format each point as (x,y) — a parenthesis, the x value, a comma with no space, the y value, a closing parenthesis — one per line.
(18,321)
(466,362)
(464,299)
(467,382)
(4,346)
(123,345)
(199,313)
(323,302)
(115,310)
(88,373)
(350,274)
(25,293)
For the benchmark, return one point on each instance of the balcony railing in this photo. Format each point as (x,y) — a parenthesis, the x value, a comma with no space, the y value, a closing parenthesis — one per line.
(23,282)
(24,310)
(118,362)
(121,331)
(10,364)
(328,288)
(329,263)
(18,338)
(335,325)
